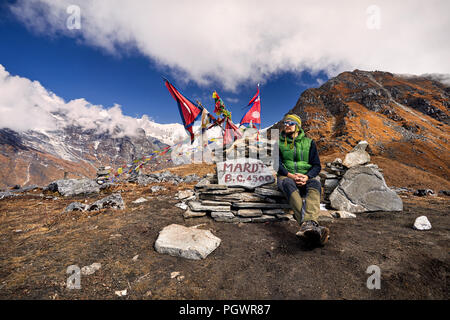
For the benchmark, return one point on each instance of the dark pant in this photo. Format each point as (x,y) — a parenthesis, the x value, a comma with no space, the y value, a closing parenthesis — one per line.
(287,186)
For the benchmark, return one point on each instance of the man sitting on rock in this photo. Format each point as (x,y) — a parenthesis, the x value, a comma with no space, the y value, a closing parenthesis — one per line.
(299,164)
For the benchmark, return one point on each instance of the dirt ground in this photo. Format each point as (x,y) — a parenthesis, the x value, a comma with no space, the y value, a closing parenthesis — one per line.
(254,261)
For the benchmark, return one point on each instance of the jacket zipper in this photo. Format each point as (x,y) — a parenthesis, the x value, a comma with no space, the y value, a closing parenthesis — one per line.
(295,156)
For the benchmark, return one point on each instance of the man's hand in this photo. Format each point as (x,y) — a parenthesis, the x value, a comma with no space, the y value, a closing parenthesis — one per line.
(300,179)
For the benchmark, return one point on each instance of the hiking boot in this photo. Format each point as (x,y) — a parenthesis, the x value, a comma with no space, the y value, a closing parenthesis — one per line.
(313,233)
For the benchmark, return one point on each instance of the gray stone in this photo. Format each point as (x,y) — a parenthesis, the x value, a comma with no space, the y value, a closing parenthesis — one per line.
(269,192)
(224,191)
(144,180)
(189,243)
(273,212)
(327,175)
(361,146)
(363,189)
(140,200)
(343,214)
(285,217)
(191,178)
(250,213)
(222,214)
(265,218)
(181,205)
(88,270)
(215,187)
(261,205)
(356,158)
(113,201)
(235,197)
(202,183)
(157,188)
(215,203)
(6,194)
(75,206)
(74,187)
(183,194)
(197,206)
(422,223)
(233,220)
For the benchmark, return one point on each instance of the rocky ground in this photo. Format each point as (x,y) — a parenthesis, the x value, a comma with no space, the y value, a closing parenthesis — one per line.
(254,261)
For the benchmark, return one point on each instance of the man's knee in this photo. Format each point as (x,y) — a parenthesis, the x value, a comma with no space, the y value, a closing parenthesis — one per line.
(314,184)
(286,185)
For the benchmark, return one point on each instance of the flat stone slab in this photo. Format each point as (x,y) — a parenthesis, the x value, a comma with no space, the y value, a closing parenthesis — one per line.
(197,206)
(222,214)
(269,192)
(192,214)
(273,212)
(235,197)
(250,213)
(189,243)
(264,218)
(215,203)
(223,191)
(261,205)
(184,194)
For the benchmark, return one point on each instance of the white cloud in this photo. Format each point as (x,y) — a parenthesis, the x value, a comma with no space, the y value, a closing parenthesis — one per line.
(27,105)
(232,42)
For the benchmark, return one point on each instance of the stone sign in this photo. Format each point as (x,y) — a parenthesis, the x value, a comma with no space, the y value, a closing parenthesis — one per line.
(245,172)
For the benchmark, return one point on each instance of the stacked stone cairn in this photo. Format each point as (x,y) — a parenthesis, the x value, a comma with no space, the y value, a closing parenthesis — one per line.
(356,185)
(103,174)
(235,204)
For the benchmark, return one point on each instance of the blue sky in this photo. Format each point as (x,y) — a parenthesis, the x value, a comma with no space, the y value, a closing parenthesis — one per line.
(71,69)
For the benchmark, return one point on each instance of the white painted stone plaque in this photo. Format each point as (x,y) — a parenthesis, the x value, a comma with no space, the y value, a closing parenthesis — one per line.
(245,172)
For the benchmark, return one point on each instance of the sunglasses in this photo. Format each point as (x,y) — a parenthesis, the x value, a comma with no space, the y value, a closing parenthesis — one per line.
(289,123)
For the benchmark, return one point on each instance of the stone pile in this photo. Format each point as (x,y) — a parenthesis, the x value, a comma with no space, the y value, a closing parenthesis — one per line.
(234,204)
(103,174)
(165,176)
(355,185)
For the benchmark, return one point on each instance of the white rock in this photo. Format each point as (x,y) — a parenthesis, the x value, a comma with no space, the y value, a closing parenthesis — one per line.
(189,243)
(183,194)
(88,270)
(140,200)
(174,274)
(322,207)
(343,214)
(135,257)
(181,205)
(121,293)
(422,223)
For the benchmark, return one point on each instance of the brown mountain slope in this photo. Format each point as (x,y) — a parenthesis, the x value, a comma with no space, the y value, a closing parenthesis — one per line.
(405,119)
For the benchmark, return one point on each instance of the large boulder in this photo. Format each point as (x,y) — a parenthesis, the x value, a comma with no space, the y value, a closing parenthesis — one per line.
(73,187)
(363,189)
(189,243)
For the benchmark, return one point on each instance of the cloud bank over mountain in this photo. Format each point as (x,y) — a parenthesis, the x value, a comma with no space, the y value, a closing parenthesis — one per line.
(231,42)
(27,105)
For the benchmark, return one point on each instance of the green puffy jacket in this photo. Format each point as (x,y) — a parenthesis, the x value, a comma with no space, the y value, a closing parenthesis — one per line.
(295,156)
